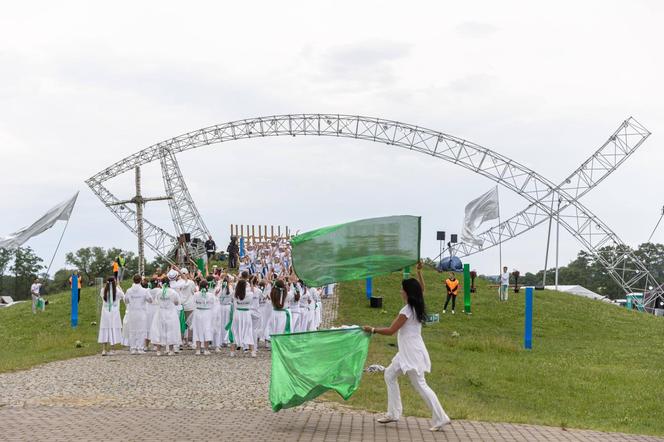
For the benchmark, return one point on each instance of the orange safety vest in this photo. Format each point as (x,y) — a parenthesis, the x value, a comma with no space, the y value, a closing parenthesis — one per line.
(452,286)
(79,281)
(116,267)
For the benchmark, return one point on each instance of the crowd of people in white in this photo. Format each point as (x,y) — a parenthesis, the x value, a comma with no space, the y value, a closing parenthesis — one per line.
(236,309)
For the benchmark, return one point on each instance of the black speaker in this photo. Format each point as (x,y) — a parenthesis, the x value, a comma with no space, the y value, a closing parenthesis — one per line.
(453,238)
(440,236)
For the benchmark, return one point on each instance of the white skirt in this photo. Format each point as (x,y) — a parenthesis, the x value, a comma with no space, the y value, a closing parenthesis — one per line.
(278,323)
(110,336)
(217,326)
(110,326)
(266,313)
(165,329)
(225,315)
(135,330)
(295,321)
(150,312)
(318,315)
(243,328)
(202,325)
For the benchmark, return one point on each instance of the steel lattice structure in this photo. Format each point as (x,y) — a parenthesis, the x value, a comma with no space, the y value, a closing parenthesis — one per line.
(542,194)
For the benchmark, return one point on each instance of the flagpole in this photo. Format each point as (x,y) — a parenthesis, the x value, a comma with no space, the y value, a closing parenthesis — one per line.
(500,239)
(57,247)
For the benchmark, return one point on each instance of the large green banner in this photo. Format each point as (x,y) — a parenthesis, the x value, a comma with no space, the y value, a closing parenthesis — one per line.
(356,250)
(306,365)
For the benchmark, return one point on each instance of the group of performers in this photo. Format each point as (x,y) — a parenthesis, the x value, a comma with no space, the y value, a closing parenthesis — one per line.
(236,310)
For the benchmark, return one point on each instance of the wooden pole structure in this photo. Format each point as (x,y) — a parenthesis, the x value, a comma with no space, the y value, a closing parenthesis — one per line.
(253,234)
(272,232)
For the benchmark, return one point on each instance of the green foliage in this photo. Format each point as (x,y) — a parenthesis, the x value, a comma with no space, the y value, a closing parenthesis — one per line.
(593,365)
(25,267)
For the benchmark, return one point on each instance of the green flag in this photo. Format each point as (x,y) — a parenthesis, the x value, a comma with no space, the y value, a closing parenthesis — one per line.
(306,365)
(356,250)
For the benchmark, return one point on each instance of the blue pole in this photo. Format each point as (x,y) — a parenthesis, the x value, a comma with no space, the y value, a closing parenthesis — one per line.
(74,301)
(528,335)
(241,247)
(369,288)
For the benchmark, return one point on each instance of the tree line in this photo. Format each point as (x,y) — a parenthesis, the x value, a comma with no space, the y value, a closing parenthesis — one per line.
(19,268)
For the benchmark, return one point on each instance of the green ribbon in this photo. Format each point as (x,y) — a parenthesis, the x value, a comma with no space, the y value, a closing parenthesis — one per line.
(183,322)
(288,318)
(229,327)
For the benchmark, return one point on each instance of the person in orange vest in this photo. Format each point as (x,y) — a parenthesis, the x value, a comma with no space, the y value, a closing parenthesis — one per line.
(452,285)
(116,269)
(80,279)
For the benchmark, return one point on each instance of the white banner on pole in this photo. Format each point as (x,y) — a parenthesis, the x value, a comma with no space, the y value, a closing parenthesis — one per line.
(61,212)
(479,210)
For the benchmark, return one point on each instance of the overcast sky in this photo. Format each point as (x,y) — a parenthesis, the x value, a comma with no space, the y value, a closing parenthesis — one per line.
(83,85)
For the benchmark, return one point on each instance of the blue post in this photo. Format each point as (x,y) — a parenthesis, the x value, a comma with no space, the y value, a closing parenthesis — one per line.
(528,335)
(369,288)
(74,301)
(241,247)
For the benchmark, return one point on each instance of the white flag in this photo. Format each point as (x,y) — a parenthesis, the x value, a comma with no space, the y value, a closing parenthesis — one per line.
(61,212)
(479,210)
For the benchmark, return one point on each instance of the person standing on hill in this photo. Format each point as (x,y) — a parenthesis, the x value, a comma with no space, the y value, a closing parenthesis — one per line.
(504,284)
(122,262)
(412,359)
(210,248)
(80,283)
(35,290)
(233,253)
(452,286)
(116,269)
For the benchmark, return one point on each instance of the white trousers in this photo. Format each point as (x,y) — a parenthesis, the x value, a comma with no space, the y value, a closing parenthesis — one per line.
(394,408)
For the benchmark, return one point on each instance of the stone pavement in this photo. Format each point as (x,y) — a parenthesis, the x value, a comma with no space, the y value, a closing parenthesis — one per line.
(112,424)
(187,397)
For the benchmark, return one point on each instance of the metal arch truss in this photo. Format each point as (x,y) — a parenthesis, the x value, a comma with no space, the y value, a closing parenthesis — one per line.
(543,195)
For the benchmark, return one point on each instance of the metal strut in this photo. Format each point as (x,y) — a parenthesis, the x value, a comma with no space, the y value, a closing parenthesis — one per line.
(533,187)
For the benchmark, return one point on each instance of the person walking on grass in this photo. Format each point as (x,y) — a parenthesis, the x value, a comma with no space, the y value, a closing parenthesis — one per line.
(504,284)
(35,292)
(452,286)
(412,359)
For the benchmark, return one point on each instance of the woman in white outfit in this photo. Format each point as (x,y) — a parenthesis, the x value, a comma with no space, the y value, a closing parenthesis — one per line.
(264,309)
(280,320)
(110,324)
(294,306)
(151,309)
(412,359)
(165,330)
(241,323)
(135,330)
(201,322)
(225,303)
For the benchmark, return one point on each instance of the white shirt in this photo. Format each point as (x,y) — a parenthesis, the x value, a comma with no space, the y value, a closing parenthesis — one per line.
(137,297)
(505,279)
(187,289)
(34,288)
(413,354)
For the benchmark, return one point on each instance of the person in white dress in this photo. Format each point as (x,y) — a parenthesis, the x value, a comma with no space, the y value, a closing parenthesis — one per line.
(201,322)
(135,331)
(242,325)
(294,305)
(318,308)
(165,329)
(264,309)
(225,294)
(280,320)
(186,288)
(412,359)
(151,309)
(110,323)
(256,319)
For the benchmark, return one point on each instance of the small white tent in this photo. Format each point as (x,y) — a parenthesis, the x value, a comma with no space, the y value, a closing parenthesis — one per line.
(579,291)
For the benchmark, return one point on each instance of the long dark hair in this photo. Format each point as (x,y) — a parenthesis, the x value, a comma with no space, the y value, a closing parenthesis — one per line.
(241,289)
(110,289)
(278,294)
(415,297)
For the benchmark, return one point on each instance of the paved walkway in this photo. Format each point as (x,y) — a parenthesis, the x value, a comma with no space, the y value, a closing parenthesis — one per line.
(216,397)
(110,424)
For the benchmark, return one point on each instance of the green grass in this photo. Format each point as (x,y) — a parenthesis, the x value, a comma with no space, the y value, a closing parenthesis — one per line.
(29,340)
(592,366)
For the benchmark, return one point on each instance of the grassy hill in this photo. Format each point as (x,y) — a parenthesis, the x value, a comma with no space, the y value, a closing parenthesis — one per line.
(28,339)
(592,365)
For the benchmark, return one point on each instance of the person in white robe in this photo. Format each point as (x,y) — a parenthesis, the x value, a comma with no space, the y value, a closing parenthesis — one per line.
(135,330)
(201,323)
(165,329)
(280,320)
(226,290)
(151,309)
(412,359)
(110,323)
(294,294)
(265,310)
(241,322)
(318,308)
